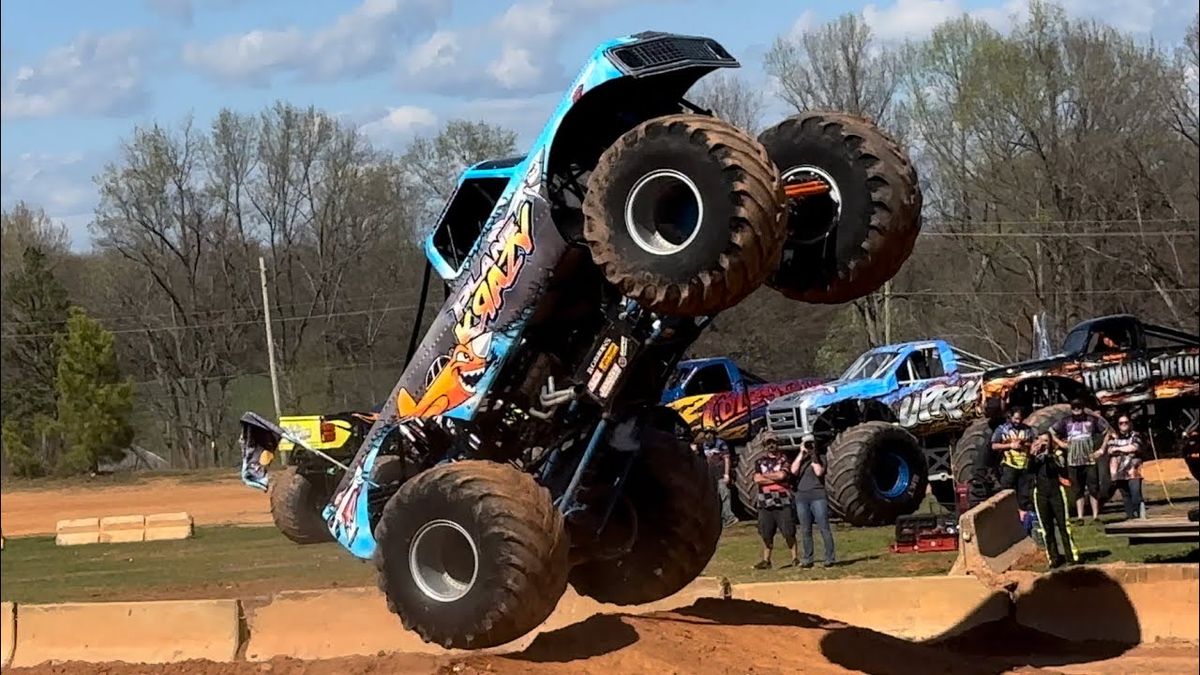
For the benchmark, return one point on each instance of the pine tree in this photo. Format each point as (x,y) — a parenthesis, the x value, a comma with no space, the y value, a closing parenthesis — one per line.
(35,309)
(94,403)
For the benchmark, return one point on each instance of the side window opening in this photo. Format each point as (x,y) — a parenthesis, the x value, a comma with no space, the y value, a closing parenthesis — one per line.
(465,216)
(923,364)
(711,379)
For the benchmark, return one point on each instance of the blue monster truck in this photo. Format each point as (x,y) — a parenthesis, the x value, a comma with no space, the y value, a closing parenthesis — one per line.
(524,446)
(887,425)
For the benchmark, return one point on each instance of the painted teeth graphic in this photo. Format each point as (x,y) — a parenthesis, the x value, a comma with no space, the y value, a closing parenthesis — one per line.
(470,378)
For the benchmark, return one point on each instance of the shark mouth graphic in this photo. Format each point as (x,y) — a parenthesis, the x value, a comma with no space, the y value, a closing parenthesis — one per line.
(469,379)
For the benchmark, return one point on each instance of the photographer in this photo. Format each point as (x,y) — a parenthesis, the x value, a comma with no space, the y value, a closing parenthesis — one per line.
(812,505)
(1047,464)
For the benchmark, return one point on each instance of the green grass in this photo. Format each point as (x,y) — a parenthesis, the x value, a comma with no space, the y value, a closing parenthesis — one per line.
(217,562)
(248,561)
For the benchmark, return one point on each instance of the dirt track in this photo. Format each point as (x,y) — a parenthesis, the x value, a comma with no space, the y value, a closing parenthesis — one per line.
(717,636)
(215,502)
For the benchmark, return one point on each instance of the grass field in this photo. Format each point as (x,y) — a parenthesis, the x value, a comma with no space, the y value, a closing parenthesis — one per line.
(247,561)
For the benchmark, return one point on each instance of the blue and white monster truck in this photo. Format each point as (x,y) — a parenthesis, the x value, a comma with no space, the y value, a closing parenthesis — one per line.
(887,426)
(529,447)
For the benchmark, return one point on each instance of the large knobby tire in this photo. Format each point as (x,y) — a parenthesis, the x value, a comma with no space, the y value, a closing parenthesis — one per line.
(1043,419)
(973,446)
(848,241)
(747,489)
(297,500)
(678,515)
(684,214)
(877,472)
(471,554)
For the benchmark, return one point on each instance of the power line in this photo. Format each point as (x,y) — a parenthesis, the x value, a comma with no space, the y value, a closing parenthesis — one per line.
(1060,235)
(223,324)
(1107,291)
(200,312)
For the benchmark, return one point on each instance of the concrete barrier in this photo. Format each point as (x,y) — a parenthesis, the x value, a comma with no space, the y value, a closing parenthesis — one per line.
(1126,603)
(77,531)
(356,622)
(914,608)
(8,628)
(122,529)
(991,538)
(134,632)
(168,526)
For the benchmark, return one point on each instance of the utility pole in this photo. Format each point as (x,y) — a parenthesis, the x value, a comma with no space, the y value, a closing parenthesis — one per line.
(887,312)
(262,274)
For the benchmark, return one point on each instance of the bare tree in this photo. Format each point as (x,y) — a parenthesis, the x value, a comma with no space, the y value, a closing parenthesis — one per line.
(433,163)
(23,226)
(839,66)
(732,99)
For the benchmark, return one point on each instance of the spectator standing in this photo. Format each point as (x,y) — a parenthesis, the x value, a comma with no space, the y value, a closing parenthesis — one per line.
(774,501)
(1077,433)
(1123,448)
(1047,465)
(1013,440)
(812,505)
(716,452)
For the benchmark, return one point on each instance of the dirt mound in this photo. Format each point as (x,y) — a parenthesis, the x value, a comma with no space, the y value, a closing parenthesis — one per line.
(214,502)
(715,636)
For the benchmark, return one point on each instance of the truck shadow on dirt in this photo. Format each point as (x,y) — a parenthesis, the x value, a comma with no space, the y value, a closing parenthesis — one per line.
(993,647)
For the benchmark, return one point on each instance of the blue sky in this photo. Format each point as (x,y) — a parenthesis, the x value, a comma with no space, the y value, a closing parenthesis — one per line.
(79,75)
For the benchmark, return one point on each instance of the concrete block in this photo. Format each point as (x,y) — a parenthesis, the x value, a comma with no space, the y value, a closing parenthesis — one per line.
(356,622)
(991,538)
(122,529)
(1130,604)
(914,608)
(77,531)
(8,631)
(167,526)
(133,632)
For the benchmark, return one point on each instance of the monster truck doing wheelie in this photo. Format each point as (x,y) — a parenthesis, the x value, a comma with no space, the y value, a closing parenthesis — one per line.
(533,450)
(1117,364)
(886,425)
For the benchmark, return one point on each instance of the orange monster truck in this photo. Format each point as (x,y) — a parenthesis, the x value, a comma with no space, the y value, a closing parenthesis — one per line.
(1117,364)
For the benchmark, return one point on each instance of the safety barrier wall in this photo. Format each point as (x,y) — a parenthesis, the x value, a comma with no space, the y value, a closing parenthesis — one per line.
(991,538)
(134,632)
(123,529)
(1126,604)
(917,608)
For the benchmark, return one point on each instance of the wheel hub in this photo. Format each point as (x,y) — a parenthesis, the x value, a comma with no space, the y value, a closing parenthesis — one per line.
(443,560)
(813,213)
(663,212)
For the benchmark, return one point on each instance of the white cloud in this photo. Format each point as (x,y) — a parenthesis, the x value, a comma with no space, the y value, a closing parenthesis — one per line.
(59,183)
(441,50)
(361,41)
(93,75)
(514,53)
(909,18)
(399,124)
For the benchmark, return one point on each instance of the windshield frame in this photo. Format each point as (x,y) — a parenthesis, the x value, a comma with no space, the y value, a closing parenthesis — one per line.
(853,372)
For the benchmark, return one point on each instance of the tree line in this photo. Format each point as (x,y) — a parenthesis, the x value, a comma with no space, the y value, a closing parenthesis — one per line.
(1059,162)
